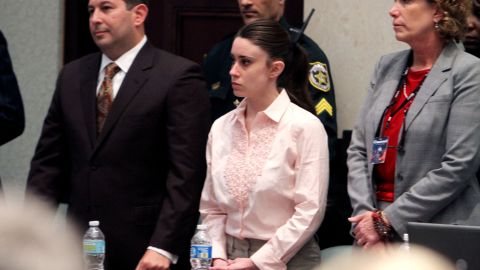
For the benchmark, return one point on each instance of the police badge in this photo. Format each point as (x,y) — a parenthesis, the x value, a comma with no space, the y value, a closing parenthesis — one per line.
(318,76)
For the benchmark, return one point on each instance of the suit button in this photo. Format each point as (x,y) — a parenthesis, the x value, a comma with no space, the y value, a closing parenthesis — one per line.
(399,177)
(93,168)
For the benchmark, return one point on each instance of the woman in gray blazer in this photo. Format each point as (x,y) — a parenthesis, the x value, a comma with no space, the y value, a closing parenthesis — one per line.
(415,148)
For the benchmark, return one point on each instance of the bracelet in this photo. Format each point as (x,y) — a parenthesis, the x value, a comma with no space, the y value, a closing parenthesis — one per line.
(384,230)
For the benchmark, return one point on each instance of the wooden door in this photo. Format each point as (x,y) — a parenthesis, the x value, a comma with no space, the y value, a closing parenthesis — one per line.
(185,27)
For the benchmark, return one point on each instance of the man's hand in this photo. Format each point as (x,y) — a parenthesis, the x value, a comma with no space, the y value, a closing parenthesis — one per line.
(364,231)
(152,260)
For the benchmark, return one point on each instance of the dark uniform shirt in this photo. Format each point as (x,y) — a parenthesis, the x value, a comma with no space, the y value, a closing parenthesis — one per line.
(217,65)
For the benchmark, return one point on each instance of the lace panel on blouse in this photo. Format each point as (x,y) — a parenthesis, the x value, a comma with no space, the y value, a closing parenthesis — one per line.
(247,158)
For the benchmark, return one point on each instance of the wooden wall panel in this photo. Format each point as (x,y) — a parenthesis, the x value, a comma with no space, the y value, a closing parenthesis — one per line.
(185,27)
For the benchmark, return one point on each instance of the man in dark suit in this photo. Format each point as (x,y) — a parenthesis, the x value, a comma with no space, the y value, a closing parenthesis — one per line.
(124,143)
(12,117)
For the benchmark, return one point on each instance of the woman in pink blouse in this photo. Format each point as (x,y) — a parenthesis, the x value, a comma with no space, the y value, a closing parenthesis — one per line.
(267,179)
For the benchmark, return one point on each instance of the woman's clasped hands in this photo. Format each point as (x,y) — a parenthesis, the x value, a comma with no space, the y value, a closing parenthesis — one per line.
(236,264)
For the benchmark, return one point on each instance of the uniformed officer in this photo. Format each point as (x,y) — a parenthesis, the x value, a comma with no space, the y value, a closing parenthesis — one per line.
(217,63)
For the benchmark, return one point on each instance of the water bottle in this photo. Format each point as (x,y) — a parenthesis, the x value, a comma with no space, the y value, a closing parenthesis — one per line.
(405,246)
(201,249)
(94,246)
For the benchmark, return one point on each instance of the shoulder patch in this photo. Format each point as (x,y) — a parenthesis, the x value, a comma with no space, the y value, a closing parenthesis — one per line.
(318,76)
(323,106)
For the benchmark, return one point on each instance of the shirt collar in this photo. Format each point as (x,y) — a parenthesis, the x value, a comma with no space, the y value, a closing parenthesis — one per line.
(275,111)
(278,107)
(126,60)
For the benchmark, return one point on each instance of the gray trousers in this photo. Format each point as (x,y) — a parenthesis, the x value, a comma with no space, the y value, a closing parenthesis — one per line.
(307,258)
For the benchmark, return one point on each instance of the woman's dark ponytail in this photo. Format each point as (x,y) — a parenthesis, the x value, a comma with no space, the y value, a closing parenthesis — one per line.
(295,78)
(272,38)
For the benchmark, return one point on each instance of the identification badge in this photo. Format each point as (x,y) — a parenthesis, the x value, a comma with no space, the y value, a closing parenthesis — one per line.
(379,151)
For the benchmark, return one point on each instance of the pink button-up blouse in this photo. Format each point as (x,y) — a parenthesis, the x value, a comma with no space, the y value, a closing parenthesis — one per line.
(269,184)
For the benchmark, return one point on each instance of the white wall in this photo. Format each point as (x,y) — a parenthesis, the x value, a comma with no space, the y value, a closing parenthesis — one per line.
(353,34)
(34,34)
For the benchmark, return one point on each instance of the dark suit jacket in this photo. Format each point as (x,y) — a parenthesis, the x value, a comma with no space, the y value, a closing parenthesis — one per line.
(142,177)
(12,118)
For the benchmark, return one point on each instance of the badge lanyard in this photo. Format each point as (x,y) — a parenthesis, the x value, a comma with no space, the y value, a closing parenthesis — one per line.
(380,144)
(402,86)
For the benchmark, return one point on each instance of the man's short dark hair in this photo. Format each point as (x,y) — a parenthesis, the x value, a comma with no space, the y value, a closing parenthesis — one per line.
(132,3)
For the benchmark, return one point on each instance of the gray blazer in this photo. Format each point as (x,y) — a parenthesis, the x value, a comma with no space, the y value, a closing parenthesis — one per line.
(435,170)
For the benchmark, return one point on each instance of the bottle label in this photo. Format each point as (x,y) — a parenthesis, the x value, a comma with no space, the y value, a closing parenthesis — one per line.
(94,246)
(201,252)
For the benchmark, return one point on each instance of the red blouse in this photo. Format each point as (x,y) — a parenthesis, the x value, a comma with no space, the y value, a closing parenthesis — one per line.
(385,172)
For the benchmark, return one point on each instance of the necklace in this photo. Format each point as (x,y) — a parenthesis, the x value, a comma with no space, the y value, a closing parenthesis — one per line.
(405,89)
(405,83)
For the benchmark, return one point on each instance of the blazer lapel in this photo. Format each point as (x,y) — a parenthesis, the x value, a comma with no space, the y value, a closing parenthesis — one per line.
(435,78)
(387,91)
(136,77)
(88,97)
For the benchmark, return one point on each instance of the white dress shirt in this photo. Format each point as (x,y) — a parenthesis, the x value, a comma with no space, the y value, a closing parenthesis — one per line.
(269,184)
(125,61)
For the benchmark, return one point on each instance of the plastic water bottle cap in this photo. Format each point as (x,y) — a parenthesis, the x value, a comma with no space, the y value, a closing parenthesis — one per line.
(405,237)
(94,223)
(202,227)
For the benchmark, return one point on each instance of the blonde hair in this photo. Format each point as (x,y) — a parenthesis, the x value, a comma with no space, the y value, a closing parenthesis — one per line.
(30,239)
(392,258)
